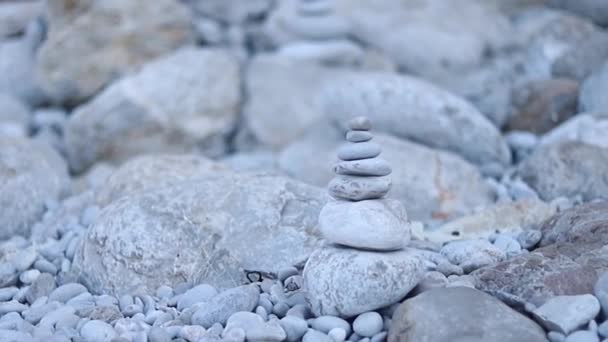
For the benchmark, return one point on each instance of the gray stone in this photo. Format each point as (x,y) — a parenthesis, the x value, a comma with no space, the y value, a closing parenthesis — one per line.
(567,169)
(600,290)
(16,15)
(231,11)
(568,262)
(588,128)
(430,183)
(356,151)
(555,336)
(595,10)
(157,334)
(360,123)
(44,285)
(465,315)
(411,108)
(7,293)
(472,254)
(509,217)
(586,58)
(602,329)
(508,245)
(66,292)
(357,188)
(363,167)
(582,336)
(12,306)
(368,324)
(331,52)
(219,308)
(150,171)
(30,176)
(75,25)
(166,226)
(197,294)
(295,327)
(358,136)
(97,331)
(567,313)
(255,327)
(315,336)
(529,238)
(337,334)
(13,114)
(592,97)
(371,224)
(337,281)
(145,112)
(17,65)
(325,324)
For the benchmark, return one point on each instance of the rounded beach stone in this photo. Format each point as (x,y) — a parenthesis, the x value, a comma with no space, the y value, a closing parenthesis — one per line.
(368,324)
(360,123)
(364,167)
(356,151)
(358,136)
(359,188)
(371,224)
(346,282)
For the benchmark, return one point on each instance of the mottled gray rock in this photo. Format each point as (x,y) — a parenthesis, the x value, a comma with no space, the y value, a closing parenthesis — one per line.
(16,15)
(580,62)
(588,128)
(368,324)
(152,171)
(334,52)
(325,324)
(42,286)
(411,108)
(596,10)
(221,307)
(97,331)
(347,282)
(106,49)
(356,151)
(593,91)
(179,234)
(17,64)
(472,254)
(14,116)
(147,111)
(363,167)
(255,327)
(567,169)
(30,175)
(357,188)
(316,336)
(569,260)
(430,183)
(471,27)
(465,315)
(567,313)
(507,217)
(299,85)
(371,224)
(295,327)
(529,238)
(66,292)
(197,294)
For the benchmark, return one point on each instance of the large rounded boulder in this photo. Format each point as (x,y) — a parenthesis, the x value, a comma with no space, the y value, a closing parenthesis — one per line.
(211,231)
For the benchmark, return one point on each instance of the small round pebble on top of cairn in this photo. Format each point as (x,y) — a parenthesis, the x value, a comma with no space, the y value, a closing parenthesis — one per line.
(366,266)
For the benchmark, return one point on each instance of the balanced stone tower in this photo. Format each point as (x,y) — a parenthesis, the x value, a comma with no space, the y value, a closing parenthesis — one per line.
(359,217)
(366,265)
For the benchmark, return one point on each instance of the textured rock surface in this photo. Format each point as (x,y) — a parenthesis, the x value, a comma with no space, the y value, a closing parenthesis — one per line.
(200,231)
(507,217)
(465,315)
(30,175)
(14,117)
(346,282)
(371,224)
(430,183)
(568,263)
(596,10)
(163,108)
(588,128)
(542,105)
(153,171)
(567,169)
(412,108)
(16,15)
(109,38)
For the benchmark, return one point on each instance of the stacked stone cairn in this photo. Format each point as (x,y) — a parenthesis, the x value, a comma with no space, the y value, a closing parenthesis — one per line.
(365,266)
(360,217)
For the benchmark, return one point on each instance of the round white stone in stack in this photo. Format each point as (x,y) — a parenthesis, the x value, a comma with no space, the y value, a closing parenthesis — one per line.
(359,217)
